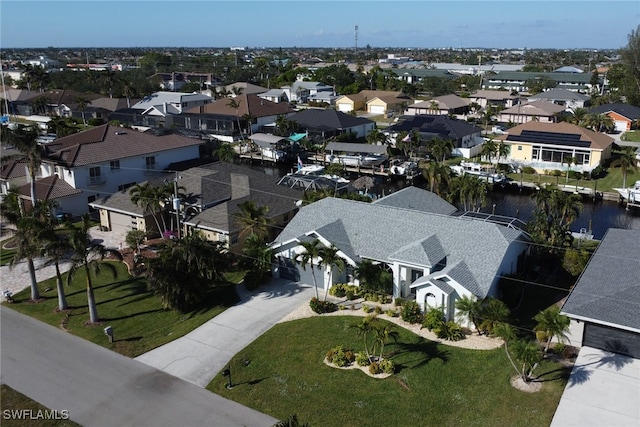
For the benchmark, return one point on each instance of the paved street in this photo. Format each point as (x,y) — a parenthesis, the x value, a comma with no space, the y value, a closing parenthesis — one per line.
(102,388)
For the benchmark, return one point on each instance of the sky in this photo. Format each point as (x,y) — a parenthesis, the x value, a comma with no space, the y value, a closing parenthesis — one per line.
(572,24)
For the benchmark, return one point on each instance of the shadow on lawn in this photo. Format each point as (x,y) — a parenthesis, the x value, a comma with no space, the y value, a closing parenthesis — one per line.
(128,316)
(559,374)
(422,352)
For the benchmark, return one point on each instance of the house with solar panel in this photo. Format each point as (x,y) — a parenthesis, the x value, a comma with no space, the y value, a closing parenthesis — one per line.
(435,257)
(550,146)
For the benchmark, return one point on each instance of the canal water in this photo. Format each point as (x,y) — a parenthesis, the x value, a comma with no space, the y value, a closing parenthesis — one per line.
(596,216)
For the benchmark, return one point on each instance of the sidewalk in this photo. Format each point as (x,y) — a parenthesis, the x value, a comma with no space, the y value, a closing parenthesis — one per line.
(198,356)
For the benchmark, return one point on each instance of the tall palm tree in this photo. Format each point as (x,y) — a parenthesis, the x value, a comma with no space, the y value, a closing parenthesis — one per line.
(81,104)
(383,333)
(233,103)
(502,150)
(87,256)
(149,197)
(489,149)
(330,259)
(225,153)
(129,91)
(363,329)
(569,161)
(524,352)
(375,137)
(311,251)
(252,219)
(28,231)
(552,324)
(441,147)
(437,176)
(626,161)
(24,139)
(469,308)
(258,254)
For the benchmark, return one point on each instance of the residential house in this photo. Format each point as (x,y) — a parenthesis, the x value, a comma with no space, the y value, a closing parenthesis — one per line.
(549,146)
(534,111)
(107,159)
(66,199)
(603,304)
(625,117)
(467,138)
(430,263)
(210,198)
(567,98)
(358,101)
(220,119)
(452,105)
(323,124)
(302,92)
(241,88)
(13,174)
(518,80)
(275,95)
(415,75)
(388,104)
(497,99)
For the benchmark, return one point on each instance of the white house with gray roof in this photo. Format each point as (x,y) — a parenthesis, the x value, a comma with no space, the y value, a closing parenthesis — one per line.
(434,258)
(604,305)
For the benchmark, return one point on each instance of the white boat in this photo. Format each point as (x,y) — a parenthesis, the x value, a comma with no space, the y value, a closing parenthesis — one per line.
(630,194)
(476,169)
(372,159)
(399,167)
(355,160)
(318,170)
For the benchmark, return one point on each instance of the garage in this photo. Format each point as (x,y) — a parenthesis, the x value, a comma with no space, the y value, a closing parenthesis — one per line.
(121,223)
(621,126)
(377,109)
(345,107)
(612,339)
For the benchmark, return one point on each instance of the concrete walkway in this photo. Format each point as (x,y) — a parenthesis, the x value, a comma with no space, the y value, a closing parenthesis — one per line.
(603,390)
(200,355)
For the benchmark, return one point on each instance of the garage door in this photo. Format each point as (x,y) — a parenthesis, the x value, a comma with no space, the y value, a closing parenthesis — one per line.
(611,339)
(377,109)
(121,223)
(621,126)
(345,108)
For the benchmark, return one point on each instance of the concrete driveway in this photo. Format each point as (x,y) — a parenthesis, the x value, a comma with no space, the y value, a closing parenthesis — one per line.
(603,390)
(198,356)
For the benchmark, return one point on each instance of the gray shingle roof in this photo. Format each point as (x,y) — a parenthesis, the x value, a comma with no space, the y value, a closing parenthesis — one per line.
(417,199)
(631,112)
(375,231)
(428,251)
(608,291)
(328,119)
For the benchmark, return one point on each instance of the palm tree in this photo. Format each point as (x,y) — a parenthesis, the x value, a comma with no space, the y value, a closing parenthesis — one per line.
(376,137)
(311,251)
(258,255)
(552,324)
(225,153)
(569,161)
(493,312)
(236,106)
(626,161)
(383,333)
(82,106)
(330,259)
(149,198)
(437,176)
(489,149)
(440,147)
(502,150)
(28,230)
(88,256)
(24,139)
(363,329)
(252,219)
(129,91)
(469,308)
(524,352)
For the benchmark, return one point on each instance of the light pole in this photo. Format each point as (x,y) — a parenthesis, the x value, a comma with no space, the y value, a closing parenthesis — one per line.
(176,204)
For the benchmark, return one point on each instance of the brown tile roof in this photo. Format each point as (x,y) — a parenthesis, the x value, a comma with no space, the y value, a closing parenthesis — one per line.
(248,103)
(13,169)
(49,188)
(105,143)
(596,139)
(535,108)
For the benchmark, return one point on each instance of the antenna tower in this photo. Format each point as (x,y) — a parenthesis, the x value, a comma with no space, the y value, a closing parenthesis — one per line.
(356,39)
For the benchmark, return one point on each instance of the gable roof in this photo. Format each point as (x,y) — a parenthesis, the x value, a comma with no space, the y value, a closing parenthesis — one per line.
(246,88)
(417,199)
(535,108)
(608,291)
(548,131)
(327,119)
(15,168)
(247,104)
(631,112)
(49,188)
(493,95)
(105,143)
(159,98)
(451,102)
(377,232)
(436,125)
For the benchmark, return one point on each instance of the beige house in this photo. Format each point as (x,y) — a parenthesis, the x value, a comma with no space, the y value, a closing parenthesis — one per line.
(549,146)
(539,111)
(387,101)
(442,105)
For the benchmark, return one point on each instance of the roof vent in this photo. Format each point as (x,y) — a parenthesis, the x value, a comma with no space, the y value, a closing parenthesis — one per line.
(120,132)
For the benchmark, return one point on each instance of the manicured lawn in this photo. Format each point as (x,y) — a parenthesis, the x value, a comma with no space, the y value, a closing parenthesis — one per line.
(6,255)
(139,321)
(435,385)
(12,400)
(607,183)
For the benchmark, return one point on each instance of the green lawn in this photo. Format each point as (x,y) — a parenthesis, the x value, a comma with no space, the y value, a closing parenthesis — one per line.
(14,401)
(139,321)
(6,255)
(435,385)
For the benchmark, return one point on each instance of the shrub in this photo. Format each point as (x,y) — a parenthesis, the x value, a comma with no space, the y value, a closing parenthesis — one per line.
(449,331)
(350,295)
(366,308)
(350,356)
(339,357)
(433,319)
(391,312)
(321,307)
(344,290)
(374,368)
(528,170)
(362,359)
(377,309)
(598,172)
(398,302)
(387,366)
(337,291)
(556,172)
(411,312)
